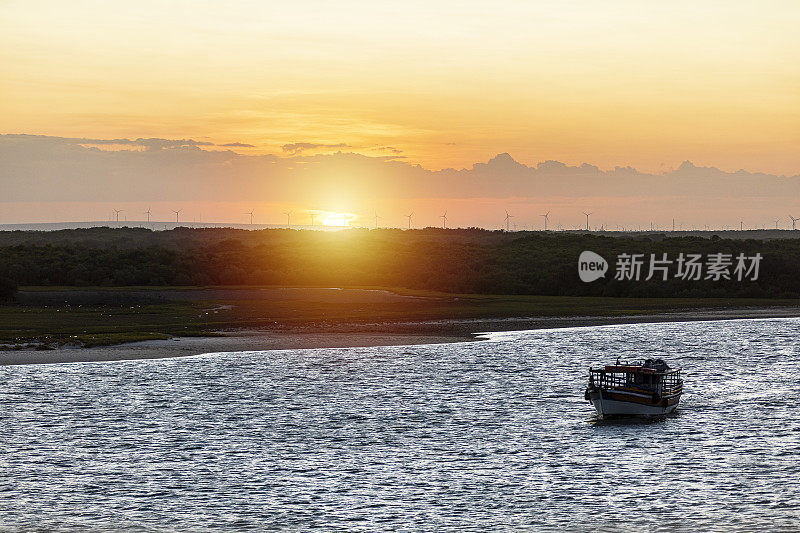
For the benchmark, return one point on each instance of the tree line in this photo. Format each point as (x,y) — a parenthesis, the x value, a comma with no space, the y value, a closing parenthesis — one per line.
(456,261)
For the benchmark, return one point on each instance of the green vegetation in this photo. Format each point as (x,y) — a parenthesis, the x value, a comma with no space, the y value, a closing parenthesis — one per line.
(453,261)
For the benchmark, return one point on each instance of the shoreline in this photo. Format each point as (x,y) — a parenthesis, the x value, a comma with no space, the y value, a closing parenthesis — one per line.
(365,335)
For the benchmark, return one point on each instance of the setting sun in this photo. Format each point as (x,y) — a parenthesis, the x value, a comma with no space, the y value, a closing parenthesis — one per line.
(337,219)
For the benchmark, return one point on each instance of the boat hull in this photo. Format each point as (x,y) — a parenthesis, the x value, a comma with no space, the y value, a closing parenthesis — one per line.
(624,404)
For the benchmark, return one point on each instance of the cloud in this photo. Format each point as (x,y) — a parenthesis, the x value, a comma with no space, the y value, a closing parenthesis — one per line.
(237,145)
(57,169)
(296,148)
(152,143)
(23,137)
(161,144)
(389,149)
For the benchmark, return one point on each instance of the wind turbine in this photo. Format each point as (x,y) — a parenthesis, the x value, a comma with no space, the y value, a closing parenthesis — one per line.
(251,216)
(741,225)
(177,214)
(117,212)
(444,219)
(288,217)
(508,219)
(776,223)
(409,219)
(546,218)
(313,216)
(587,220)
(148,213)
(376,219)
(794,222)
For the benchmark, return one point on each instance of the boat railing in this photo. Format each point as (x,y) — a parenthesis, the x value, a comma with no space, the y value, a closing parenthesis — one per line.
(665,383)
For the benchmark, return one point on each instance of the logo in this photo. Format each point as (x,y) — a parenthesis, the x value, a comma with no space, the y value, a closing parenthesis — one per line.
(591,266)
(686,266)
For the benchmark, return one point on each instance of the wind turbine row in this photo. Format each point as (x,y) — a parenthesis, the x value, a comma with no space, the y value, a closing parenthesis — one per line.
(149,214)
(443,216)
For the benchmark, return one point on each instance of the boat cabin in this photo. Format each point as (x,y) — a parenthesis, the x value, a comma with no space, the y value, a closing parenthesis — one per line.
(651,375)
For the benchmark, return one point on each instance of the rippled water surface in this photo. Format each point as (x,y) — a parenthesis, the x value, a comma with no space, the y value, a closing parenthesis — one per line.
(462,436)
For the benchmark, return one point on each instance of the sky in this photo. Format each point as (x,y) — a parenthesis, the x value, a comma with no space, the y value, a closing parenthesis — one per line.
(434,84)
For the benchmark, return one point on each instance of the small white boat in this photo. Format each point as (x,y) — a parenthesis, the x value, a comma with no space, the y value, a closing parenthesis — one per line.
(651,388)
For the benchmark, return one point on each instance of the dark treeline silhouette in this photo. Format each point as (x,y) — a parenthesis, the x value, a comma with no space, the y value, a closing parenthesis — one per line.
(457,261)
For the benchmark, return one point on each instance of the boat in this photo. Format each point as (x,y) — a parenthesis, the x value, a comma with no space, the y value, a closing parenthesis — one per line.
(649,388)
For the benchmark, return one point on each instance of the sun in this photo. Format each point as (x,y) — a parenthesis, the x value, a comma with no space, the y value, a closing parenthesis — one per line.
(337,219)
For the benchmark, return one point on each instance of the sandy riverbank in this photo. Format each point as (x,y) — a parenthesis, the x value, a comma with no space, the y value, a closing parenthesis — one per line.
(357,335)
(234,342)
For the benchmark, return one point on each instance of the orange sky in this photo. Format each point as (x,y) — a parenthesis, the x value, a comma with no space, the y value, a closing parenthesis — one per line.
(443,84)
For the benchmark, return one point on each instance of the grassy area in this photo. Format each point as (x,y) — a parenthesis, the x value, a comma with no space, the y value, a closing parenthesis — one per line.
(92,326)
(198,311)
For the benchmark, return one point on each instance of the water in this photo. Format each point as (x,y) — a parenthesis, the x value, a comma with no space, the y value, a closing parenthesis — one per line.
(467,436)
